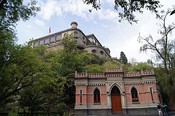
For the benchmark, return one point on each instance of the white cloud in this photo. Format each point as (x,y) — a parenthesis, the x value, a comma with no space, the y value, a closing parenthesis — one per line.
(39,22)
(51,8)
(106,14)
(29,26)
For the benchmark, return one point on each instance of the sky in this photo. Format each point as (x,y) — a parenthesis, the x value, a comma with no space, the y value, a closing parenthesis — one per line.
(103,23)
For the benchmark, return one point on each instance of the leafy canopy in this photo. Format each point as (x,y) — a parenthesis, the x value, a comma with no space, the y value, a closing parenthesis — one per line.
(126,8)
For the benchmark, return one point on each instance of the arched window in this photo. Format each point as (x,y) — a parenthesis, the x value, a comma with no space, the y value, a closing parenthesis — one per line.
(93,51)
(96,96)
(151,92)
(101,52)
(81,96)
(134,95)
(75,32)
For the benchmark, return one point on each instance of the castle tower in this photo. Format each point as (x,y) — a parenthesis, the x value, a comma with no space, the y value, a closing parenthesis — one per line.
(74,24)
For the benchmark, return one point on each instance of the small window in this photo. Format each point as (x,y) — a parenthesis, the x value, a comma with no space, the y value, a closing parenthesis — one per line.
(96,96)
(47,40)
(101,52)
(75,32)
(81,96)
(134,95)
(58,37)
(93,51)
(41,42)
(36,43)
(52,39)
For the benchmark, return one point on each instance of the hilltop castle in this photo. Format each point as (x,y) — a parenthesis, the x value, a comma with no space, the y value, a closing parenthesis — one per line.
(88,43)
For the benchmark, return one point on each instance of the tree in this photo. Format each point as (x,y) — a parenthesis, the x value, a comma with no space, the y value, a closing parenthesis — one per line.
(137,67)
(65,62)
(163,49)
(123,58)
(164,46)
(12,11)
(11,75)
(21,70)
(32,99)
(48,93)
(126,8)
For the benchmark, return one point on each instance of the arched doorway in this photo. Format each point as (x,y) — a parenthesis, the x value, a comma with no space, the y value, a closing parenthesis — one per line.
(116,100)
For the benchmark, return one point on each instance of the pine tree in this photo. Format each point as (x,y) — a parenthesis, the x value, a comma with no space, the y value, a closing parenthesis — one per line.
(123,58)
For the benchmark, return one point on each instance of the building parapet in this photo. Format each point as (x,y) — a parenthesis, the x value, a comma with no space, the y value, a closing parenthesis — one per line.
(147,72)
(114,73)
(89,75)
(96,75)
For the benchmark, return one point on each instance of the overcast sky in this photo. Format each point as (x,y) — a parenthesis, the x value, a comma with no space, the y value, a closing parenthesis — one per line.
(103,23)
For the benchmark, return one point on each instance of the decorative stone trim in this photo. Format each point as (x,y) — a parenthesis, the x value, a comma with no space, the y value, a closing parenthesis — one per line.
(148,72)
(97,84)
(132,74)
(114,75)
(114,70)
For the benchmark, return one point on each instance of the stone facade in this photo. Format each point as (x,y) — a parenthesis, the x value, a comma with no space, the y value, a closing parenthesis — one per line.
(88,43)
(116,92)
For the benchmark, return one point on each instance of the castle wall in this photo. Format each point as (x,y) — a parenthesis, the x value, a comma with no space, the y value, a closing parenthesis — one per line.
(51,41)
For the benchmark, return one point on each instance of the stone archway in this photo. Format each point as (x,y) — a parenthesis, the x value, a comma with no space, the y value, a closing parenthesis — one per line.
(116,100)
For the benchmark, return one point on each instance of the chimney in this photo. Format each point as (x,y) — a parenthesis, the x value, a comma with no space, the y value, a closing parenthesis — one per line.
(74,24)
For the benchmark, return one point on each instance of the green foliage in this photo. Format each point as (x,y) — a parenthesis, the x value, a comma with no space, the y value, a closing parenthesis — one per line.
(12,11)
(40,51)
(17,64)
(109,64)
(13,112)
(32,99)
(93,68)
(137,67)
(6,44)
(66,63)
(126,8)
(22,69)
(98,68)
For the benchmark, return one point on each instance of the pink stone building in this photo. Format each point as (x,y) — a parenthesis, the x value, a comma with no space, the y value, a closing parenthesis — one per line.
(115,92)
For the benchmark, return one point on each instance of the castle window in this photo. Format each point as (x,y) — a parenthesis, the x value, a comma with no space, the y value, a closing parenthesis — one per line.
(134,95)
(75,32)
(93,51)
(58,37)
(101,52)
(52,39)
(81,96)
(47,40)
(96,96)
(36,43)
(41,42)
